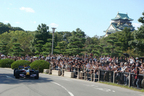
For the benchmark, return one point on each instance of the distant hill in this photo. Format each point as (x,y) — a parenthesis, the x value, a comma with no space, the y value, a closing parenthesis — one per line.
(7,27)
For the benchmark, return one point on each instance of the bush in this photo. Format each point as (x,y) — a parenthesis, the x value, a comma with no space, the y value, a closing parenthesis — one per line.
(40,64)
(6,63)
(18,63)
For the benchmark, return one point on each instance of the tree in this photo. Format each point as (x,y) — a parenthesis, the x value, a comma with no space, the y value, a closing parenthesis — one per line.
(41,37)
(21,37)
(141,19)
(39,46)
(7,27)
(76,42)
(47,47)
(98,50)
(42,33)
(3,48)
(16,49)
(138,42)
(61,48)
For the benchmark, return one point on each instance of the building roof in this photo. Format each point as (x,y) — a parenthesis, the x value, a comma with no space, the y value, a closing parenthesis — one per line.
(122,16)
(117,27)
(123,21)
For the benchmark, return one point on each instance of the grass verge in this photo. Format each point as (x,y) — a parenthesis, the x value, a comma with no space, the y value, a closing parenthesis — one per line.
(123,86)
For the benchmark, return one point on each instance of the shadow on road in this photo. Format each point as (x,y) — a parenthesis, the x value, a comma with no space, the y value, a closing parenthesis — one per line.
(10,79)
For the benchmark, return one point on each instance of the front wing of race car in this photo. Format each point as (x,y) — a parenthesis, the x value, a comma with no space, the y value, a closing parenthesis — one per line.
(26,73)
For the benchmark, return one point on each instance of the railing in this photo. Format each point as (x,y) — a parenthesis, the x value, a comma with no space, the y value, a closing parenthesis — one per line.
(124,78)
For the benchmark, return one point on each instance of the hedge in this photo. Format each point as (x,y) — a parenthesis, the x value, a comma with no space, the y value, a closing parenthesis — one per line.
(40,65)
(18,63)
(6,63)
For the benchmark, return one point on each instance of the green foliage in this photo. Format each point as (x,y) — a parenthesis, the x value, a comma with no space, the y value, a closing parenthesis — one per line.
(16,41)
(16,49)
(40,64)
(41,40)
(76,43)
(18,63)
(21,37)
(38,46)
(138,42)
(42,33)
(3,47)
(47,47)
(61,48)
(141,19)
(8,27)
(6,63)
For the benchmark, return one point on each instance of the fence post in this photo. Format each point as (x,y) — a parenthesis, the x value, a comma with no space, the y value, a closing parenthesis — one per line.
(94,77)
(62,72)
(129,79)
(78,75)
(84,75)
(50,69)
(98,75)
(113,77)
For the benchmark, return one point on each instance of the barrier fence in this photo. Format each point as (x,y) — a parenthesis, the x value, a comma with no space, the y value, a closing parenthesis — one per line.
(124,78)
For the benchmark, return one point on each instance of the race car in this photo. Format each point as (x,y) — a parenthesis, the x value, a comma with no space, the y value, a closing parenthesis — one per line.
(26,72)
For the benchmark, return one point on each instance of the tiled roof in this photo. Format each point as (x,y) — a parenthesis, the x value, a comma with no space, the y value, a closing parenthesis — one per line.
(122,16)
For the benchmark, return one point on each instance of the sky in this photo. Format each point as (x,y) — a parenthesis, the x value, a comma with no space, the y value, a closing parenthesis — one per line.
(91,16)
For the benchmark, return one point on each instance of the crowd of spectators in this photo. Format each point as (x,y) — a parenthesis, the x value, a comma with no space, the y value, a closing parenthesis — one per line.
(90,63)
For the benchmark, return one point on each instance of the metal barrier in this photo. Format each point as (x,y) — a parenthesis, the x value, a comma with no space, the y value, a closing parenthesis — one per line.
(90,75)
(125,78)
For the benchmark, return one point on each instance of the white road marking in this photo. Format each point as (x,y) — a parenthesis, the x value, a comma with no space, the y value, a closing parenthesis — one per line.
(66,79)
(104,89)
(100,89)
(8,76)
(63,88)
(108,90)
(113,91)
(94,86)
(90,85)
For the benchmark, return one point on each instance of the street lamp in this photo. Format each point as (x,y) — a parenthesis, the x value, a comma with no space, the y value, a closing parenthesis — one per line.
(53,30)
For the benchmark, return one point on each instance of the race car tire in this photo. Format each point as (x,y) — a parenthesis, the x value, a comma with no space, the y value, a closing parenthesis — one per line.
(37,75)
(17,74)
(15,71)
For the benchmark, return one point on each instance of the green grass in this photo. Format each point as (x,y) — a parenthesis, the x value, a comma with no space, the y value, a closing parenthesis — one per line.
(123,86)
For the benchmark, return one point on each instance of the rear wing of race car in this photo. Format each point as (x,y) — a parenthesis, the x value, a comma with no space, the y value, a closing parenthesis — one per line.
(21,67)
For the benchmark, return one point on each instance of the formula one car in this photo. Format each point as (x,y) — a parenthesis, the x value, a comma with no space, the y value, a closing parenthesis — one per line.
(26,72)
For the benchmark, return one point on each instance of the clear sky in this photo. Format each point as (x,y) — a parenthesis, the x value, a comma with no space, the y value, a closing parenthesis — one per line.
(91,16)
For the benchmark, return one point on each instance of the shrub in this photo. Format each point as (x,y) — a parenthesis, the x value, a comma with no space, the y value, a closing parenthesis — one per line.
(18,63)
(6,63)
(40,64)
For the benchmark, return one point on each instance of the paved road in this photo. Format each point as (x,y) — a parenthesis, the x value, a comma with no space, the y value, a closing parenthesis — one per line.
(49,85)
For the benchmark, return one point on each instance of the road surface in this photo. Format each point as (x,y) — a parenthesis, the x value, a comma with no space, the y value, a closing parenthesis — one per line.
(49,85)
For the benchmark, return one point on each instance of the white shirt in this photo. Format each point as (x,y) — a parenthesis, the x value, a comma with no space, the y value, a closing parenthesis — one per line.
(131,61)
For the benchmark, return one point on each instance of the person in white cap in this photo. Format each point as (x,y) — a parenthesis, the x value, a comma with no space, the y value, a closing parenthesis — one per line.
(2,56)
(137,59)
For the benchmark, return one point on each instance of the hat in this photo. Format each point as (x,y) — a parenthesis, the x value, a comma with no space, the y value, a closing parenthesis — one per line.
(136,57)
(125,63)
(2,55)
(34,57)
